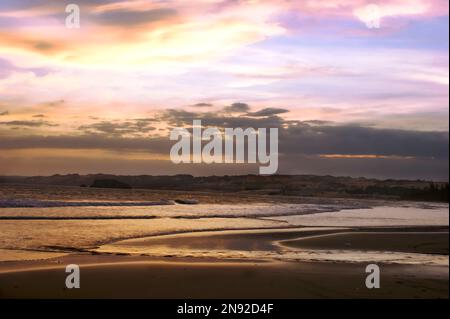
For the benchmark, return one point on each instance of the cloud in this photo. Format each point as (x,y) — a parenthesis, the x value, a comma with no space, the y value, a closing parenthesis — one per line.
(4,113)
(237,108)
(311,57)
(354,8)
(49,5)
(318,122)
(202,105)
(9,41)
(297,139)
(321,137)
(268,112)
(355,140)
(132,127)
(306,138)
(132,18)
(158,145)
(384,168)
(310,137)
(7,68)
(55,103)
(28,123)
(174,30)
(180,118)
(314,147)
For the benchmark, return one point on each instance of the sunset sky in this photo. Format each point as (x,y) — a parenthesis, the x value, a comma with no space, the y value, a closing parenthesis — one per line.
(348,99)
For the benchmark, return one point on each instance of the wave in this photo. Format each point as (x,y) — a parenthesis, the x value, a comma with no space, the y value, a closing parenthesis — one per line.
(74,217)
(60,210)
(19,203)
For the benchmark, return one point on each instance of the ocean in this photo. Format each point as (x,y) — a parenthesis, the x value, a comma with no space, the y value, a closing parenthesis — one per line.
(50,221)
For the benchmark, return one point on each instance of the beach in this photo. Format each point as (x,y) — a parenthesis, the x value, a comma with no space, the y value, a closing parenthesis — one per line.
(134,276)
(224,247)
(242,149)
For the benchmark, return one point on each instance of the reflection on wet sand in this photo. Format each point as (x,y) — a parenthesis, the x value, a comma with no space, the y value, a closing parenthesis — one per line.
(245,264)
(427,245)
(191,252)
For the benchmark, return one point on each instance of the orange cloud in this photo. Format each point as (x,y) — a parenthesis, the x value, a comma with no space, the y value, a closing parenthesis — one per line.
(142,33)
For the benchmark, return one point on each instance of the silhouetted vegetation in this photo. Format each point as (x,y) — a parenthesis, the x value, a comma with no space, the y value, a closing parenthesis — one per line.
(275,185)
(433,192)
(109,183)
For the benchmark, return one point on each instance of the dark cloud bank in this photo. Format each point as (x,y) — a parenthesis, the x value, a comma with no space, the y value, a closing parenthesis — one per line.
(407,154)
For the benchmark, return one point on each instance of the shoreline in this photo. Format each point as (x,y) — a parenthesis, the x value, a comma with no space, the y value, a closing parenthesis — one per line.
(265,238)
(122,275)
(141,277)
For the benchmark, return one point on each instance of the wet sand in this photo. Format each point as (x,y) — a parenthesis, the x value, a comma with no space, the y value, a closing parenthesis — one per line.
(241,240)
(135,276)
(125,277)
(412,242)
(422,240)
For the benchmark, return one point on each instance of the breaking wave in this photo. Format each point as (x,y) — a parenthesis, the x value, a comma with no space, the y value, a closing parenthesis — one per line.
(12,203)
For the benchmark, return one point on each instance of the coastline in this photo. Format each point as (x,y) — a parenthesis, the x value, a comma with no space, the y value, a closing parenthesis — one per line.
(124,277)
(134,275)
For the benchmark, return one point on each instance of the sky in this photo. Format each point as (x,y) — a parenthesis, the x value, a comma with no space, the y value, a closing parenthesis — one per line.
(348,98)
